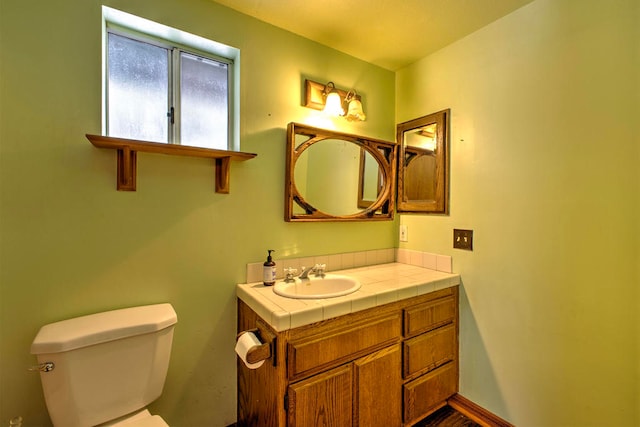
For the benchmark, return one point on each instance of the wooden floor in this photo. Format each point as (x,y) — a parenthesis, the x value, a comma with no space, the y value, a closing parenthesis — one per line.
(447,417)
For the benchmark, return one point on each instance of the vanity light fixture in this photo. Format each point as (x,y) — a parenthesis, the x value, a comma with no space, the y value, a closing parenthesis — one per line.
(354,111)
(331,100)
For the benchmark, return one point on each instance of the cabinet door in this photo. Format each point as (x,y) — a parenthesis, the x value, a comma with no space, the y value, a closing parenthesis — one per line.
(378,389)
(322,400)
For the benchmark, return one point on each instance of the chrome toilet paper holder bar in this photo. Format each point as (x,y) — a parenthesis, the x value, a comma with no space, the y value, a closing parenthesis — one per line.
(264,351)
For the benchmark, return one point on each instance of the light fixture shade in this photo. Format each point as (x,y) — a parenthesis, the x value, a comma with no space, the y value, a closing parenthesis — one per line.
(333,105)
(355,111)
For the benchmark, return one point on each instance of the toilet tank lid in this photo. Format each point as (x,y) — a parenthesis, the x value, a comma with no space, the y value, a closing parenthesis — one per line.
(102,327)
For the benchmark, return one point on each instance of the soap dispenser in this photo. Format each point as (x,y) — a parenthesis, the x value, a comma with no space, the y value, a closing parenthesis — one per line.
(269,270)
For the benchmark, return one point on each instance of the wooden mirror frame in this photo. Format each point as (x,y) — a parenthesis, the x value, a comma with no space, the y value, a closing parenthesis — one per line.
(383,151)
(440,202)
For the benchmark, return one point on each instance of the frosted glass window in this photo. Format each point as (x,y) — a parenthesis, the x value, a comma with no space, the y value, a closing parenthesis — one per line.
(167,91)
(138,90)
(204,102)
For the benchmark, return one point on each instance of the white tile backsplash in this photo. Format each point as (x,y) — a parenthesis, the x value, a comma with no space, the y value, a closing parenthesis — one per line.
(429,261)
(415,258)
(350,260)
(334,263)
(443,263)
(402,256)
(254,271)
(322,259)
(360,259)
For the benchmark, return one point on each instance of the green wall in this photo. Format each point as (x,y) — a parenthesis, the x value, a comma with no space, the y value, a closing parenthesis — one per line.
(544,155)
(545,148)
(70,244)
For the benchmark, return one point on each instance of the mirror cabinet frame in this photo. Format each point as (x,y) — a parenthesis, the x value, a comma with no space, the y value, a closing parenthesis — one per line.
(384,152)
(440,202)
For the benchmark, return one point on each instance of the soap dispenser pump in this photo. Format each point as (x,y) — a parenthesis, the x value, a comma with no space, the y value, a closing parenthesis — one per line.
(269,270)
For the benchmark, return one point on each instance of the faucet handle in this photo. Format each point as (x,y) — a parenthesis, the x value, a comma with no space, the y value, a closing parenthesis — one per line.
(319,269)
(289,273)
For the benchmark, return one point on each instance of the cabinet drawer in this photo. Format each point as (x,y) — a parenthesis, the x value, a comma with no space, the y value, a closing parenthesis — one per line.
(321,351)
(430,315)
(429,392)
(430,350)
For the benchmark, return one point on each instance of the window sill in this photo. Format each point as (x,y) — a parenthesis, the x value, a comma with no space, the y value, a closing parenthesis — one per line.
(127,153)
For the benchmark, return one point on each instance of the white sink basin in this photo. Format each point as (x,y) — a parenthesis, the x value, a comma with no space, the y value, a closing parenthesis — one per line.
(329,286)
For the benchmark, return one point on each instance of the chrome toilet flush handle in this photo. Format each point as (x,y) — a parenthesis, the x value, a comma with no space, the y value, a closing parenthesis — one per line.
(43,367)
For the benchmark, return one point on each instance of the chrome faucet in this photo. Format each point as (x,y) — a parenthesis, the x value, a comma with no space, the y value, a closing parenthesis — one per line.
(290,273)
(306,271)
(317,269)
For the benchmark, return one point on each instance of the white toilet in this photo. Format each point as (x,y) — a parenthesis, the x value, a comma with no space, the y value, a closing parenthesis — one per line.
(105,368)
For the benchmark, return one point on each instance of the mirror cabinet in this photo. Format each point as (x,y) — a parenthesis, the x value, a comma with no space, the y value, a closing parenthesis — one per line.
(423,176)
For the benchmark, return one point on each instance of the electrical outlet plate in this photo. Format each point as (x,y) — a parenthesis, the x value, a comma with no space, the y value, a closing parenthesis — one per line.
(463,239)
(404,237)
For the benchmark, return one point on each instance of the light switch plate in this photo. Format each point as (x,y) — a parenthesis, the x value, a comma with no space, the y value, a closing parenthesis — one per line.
(463,239)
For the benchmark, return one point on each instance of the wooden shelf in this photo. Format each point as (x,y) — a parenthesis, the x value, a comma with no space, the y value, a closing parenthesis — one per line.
(127,150)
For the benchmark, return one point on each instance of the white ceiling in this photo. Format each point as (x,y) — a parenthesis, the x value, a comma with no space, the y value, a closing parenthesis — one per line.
(388,33)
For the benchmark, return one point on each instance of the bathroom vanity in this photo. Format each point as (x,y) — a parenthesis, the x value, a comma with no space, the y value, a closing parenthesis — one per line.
(385,355)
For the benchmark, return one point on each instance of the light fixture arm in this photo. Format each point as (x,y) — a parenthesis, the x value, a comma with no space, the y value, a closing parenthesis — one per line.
(328,88)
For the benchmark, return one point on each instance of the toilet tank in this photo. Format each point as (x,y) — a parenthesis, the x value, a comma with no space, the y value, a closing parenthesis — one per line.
(106,365)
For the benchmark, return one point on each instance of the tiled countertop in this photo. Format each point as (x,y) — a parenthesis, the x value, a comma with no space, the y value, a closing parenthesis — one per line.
(381,284)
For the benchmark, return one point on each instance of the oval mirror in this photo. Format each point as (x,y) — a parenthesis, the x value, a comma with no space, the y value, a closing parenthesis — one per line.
(334,176)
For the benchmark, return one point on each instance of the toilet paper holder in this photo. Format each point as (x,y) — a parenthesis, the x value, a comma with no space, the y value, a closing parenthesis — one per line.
(264,351)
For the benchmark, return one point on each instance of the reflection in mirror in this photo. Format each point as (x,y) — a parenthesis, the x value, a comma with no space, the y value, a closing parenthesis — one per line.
(327,174)
(423,171)
(420,162)
(423,138)
(334,176)
(370,180)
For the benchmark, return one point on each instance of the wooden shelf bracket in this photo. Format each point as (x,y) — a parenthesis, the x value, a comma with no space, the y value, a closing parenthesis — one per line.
(127,150)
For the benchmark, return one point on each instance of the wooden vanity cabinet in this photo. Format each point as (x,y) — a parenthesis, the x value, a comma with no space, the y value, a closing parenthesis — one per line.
(390,365)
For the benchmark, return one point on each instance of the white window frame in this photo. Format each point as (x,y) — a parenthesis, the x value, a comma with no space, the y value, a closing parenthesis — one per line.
(125,24)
